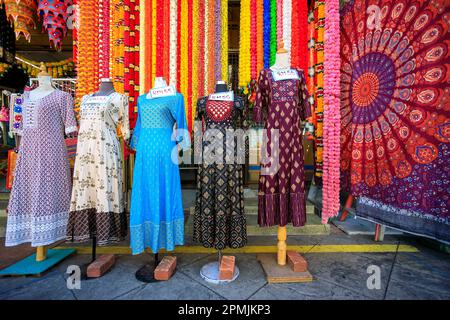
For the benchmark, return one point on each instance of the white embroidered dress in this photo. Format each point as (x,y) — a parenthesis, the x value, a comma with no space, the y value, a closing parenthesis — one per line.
(98,203)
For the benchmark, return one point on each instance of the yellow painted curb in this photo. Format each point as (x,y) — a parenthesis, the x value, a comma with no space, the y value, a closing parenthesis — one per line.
(321,248)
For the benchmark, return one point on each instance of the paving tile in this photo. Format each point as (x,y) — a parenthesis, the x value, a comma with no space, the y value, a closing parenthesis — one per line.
(119,280)
(51,287)
(316,290)
(403,290)
(179,287)
(349,270)
(433,263)
(250,279)
(416,280)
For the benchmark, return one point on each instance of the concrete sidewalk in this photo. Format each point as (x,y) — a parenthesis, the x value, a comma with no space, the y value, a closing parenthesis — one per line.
(404,275)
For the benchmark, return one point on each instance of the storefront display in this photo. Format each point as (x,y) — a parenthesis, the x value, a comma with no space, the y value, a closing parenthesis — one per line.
(39,203)
(98,202)
(219,219)
(156,214)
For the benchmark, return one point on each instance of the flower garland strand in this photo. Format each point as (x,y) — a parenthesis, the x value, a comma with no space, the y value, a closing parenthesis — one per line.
(302,37)
(273,31)
(189,67)
(287,12)
(173,42)
(217,41)
(312,61)
(244,45)
(195,86)
(224,37)
(211,37)
(259,35)
(143,46)
(201,50)
(279,21)
(149,44)
(266,33)
(320,24)
(206,52)
(332,119)
(253,39)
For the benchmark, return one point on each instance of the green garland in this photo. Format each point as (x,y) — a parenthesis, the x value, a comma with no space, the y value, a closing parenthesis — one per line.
(273,31)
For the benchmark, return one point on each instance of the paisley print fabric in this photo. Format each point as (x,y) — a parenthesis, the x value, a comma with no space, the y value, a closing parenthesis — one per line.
(219,219)
(282,105)
(38,208)
(394,107)
(98,201)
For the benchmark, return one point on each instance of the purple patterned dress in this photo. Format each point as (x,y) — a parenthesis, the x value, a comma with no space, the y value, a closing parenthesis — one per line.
(282,104)
(40,198)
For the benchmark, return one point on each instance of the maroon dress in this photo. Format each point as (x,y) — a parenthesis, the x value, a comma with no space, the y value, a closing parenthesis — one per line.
(282,105)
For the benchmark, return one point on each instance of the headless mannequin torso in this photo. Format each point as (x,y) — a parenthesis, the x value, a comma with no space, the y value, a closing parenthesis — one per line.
(106,88)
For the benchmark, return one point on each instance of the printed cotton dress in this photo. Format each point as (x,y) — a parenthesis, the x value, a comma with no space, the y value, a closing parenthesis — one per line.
(156,214)
(219,219)
(40,197)
(282,105)
(97,206)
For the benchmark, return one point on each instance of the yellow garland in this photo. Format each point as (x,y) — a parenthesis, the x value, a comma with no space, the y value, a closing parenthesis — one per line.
(224,40)
(153,62)
(117,44)
(142,46)
(207,44)
(194,57)
(56,69)
(244,45)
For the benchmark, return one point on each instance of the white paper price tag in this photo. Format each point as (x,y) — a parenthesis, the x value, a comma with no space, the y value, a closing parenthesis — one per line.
(285,74)
(161,92)
(222,96)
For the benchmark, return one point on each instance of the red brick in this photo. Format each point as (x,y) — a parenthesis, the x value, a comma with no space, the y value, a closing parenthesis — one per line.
(297,262)
(226,269)
(166,268)
(101,265)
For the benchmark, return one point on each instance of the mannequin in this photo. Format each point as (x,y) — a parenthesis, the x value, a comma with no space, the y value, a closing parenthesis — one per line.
(281,59)
(146,272)
(215,112)
(45,84)
(106,87)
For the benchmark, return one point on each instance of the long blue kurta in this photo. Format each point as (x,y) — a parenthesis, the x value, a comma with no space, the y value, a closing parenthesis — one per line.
(156,214)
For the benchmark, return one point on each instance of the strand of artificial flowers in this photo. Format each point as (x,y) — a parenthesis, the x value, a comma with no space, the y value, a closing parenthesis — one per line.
(266,33)
(244,45)
(253,39)
(143,46)
(173,42)
(189,67)
(206,52)
(302,38)
(273,31)
(259,35)
(211,53)
(224,37)
(332,119)
(217,41)
(279,21)
(201,49)
(287,11)
(148,34)
(195,23)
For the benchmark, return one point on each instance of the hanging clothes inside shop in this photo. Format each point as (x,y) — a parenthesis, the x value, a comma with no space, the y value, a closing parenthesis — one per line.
(156,214)
(39,204)
(282,104)
(219,219)
(98,202)
(395,118)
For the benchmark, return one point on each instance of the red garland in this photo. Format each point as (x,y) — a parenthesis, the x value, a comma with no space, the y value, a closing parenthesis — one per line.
(201,50)
(189,104)
(159,38)
(178,45)
(295,34)
(253,34)
(149,45)
(166,40)
(302,52)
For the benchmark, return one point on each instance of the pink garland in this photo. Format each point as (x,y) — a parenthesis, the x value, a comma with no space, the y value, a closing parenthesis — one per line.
(279,21)
(332,119)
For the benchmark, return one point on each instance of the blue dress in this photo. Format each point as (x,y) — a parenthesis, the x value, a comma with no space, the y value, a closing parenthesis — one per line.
(156,214)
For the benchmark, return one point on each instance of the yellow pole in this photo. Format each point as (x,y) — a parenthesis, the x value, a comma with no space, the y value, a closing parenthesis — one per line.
(41,253)
(282,235)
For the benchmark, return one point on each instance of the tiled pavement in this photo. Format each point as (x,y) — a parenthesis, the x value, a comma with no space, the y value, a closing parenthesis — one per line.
(420,275)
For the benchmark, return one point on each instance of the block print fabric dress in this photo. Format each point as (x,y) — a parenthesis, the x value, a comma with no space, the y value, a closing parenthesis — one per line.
(219,219)
(282,105)
(156,214)
(97,204)
(39,204)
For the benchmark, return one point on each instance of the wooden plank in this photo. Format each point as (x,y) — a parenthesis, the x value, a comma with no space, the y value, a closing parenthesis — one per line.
(281,274)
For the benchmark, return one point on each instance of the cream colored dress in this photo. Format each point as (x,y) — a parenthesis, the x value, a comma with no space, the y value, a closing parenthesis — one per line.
(98,202)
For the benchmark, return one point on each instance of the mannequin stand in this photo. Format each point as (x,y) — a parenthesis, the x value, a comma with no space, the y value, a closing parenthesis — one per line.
(146,274)
(210,272)
(85,266)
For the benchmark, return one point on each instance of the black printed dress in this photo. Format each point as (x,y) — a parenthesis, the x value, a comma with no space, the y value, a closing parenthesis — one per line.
(219,219)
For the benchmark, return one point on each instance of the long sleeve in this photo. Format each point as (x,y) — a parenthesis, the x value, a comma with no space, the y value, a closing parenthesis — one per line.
(304,105)
(137,128)
(179,114)
(68,116)
(262,97)
(124,123)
